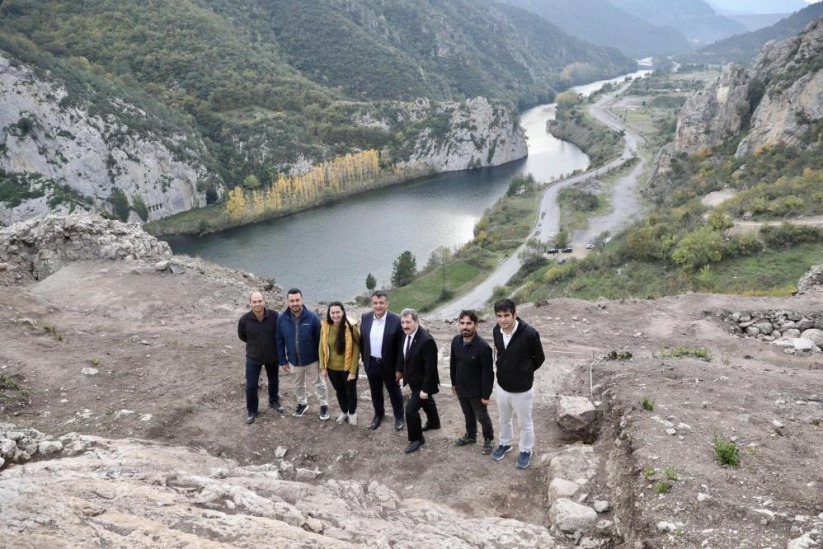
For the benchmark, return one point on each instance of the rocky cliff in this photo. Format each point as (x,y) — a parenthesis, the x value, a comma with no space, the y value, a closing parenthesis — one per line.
(57,157)
(477,133)
(778,100)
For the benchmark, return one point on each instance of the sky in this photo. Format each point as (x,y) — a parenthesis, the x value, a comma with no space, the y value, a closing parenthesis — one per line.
(762,6)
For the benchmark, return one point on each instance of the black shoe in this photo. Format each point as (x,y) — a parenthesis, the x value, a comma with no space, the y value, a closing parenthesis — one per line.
(428,427)
(250,419)
(414,446)
(398,424)
(276,407)
(375,423)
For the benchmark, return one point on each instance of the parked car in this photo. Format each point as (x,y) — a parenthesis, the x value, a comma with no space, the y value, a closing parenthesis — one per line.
(589,246)
(561,260)
(553,251)
(567,250)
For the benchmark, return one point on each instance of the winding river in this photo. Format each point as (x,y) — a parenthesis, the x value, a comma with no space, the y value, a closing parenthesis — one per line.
(329,251)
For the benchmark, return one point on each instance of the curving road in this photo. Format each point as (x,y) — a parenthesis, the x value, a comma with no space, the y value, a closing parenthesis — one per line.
(548,218)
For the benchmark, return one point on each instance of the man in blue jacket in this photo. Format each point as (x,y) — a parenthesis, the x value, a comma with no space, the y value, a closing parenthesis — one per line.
(298,342)
(519,354)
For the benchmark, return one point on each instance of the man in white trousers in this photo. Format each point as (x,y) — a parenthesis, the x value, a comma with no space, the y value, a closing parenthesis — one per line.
(519,354)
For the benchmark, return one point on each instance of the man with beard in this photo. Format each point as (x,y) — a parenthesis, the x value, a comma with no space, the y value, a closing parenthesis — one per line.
(472,377)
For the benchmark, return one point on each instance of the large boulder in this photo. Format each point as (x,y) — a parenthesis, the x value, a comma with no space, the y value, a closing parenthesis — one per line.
(569,517)
(576,414)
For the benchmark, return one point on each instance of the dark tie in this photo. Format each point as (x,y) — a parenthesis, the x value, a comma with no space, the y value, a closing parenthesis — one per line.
(408,344)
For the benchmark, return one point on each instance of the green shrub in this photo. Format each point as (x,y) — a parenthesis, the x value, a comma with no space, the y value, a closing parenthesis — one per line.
(647,404)
(726,452)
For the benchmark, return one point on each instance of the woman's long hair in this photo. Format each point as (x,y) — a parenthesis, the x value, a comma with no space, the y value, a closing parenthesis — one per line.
(340,342)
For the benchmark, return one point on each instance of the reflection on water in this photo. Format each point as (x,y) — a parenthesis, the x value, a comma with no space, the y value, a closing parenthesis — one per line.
(327,252)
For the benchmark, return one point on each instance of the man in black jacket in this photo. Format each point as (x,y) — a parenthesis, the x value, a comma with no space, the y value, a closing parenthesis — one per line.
(258,329)
(472,376)
(417,366)
(519,354)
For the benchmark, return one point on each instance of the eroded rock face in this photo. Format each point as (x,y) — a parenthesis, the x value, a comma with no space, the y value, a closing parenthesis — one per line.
(480,134)
(39,247)
(715,114)
(133,493)
(45,146)
(782,93)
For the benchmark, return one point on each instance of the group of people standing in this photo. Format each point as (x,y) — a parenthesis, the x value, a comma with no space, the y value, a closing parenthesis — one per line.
(395,348)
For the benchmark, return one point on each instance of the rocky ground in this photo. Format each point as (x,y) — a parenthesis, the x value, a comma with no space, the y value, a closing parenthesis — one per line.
(145,365)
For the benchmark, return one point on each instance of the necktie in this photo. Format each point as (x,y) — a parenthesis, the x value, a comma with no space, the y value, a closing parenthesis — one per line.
(408,344)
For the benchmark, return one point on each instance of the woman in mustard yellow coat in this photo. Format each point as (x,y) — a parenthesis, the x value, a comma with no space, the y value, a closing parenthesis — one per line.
(339,354)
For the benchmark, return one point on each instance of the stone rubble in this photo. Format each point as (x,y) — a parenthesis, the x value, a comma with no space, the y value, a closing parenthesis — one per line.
(39,247)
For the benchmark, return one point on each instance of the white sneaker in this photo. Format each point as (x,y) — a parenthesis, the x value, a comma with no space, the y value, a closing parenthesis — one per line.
(342,417)
(352,419)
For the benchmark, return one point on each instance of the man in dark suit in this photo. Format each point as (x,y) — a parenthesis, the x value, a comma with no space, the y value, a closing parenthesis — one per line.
(417,366)
(381,334)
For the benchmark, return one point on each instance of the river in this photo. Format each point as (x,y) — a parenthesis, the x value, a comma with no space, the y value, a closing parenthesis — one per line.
(328,251)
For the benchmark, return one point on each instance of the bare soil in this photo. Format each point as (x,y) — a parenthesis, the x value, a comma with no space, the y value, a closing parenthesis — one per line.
(170,369)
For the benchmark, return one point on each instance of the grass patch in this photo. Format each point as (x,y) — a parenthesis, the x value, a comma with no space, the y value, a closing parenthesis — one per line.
(726,452)
(648,472)
(647,404)
(619,355)
(424,293)
(680,352)
(671,474)
(53,332)
(662,487)
(11,388)
(96,362)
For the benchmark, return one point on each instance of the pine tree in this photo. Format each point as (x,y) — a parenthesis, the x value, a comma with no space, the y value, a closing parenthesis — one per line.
(404,269)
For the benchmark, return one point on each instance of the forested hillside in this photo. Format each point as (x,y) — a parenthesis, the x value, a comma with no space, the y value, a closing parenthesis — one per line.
(744,48)
(272,84)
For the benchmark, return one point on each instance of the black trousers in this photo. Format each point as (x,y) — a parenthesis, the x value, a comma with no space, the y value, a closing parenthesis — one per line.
(380,376)
(252,384)
(345,390)
(474,411)
(413,422)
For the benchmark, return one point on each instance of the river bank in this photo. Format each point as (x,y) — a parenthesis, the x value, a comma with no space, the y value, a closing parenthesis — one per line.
(328,251)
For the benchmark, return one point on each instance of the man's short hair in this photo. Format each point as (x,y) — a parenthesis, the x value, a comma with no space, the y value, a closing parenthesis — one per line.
(380,293)
(469,313)
(504,306)
(295,291)
(409,312)
(251,295)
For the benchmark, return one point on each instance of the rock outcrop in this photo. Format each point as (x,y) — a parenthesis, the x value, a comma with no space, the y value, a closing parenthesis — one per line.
(777,101)
(132,493)
(475,134)
(39,247)
(59,157)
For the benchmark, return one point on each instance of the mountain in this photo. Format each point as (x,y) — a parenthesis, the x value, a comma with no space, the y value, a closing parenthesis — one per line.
(267,87)
(601,22)
(779,100)
(694,19)
(757,21)
(744,48)
(726,7)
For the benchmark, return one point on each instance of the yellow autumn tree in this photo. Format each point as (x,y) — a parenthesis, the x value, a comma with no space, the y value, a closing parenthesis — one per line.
(236,204)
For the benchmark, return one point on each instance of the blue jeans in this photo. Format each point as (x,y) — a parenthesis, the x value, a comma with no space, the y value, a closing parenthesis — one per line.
(252,385)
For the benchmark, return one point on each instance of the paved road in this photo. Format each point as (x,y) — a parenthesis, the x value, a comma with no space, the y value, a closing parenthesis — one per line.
(548,219)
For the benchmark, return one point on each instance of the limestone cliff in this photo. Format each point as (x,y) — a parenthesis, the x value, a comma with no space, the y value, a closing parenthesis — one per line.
(472,134)
(778,100)
(57,157)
